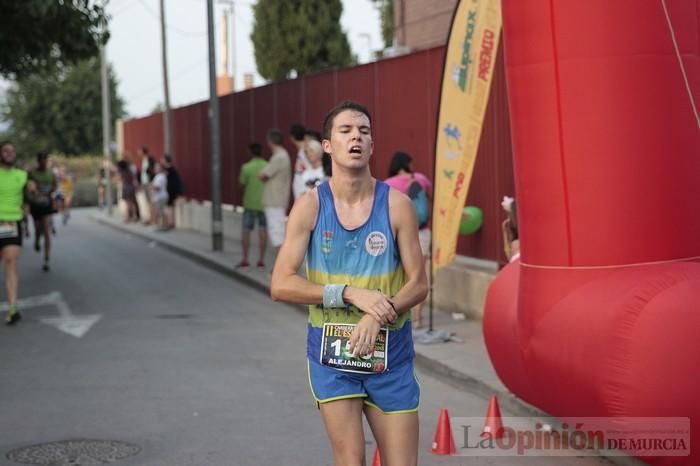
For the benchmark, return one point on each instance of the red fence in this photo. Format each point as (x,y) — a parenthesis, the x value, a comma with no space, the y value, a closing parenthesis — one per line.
(402,95)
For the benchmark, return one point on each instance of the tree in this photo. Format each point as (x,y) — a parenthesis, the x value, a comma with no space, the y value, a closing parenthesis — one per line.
(157,108)
(60,110)
(299,36)
(386,11)
(38,34)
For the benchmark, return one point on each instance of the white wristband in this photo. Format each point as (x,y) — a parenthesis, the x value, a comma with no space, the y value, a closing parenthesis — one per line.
(333,295)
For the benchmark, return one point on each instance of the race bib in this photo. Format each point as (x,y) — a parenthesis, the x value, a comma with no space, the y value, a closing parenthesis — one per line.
(8,230)
(335,352)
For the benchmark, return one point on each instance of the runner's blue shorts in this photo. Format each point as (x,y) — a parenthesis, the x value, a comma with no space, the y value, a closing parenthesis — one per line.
(394,391)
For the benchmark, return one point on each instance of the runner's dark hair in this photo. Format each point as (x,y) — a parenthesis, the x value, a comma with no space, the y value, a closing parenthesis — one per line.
(341,107)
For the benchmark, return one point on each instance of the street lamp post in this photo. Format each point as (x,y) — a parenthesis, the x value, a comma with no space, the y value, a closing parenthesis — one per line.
(167,127)
(106,120)
(216,222)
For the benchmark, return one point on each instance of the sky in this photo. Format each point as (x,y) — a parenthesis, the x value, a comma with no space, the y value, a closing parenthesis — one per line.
(134,49)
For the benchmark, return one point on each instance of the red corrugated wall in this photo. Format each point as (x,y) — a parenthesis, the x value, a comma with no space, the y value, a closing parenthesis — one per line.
(401,93)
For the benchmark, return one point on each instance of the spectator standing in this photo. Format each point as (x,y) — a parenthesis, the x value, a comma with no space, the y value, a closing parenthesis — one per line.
(326,163)
(159,196)
(176,188)
(128,189)
(297,134)
(277,176)
(509,228)
(144,178)
(253,211)
(314,174)
(401,177)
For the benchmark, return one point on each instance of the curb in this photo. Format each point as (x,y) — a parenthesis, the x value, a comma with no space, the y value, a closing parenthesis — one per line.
(194,256)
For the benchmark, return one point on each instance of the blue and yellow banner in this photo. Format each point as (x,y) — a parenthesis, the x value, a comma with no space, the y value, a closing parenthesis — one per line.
(466,82)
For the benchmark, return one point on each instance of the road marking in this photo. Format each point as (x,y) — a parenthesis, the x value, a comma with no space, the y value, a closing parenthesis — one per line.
(76,326)
(73,325)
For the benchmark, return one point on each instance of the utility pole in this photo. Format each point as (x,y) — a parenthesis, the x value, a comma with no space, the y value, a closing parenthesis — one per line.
(233,44)
(106,121)
(216,223)
(167,143)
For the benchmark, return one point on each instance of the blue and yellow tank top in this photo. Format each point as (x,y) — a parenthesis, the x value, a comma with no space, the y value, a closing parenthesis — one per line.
(364,257)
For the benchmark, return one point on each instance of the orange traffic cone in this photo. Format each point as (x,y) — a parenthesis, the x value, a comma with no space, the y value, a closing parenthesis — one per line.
(377,460)
(443,443)
(493,427)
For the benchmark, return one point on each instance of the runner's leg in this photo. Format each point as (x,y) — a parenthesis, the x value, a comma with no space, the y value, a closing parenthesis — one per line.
(396,435)
(38,230)
(46,226)
(343,421)
(10,257)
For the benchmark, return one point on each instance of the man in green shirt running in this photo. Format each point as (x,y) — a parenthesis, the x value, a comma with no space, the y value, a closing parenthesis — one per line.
(252,203)
(13,183)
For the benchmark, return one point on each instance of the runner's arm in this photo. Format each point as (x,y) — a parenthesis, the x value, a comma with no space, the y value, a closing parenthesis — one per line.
(403,219)
(27,191)
(286,284)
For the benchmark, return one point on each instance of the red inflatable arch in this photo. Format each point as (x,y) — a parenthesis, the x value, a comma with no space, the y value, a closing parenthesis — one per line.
(602,315)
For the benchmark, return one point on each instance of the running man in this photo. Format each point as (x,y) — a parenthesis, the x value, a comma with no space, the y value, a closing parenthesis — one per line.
(13,182)
(41,204)
(365,272)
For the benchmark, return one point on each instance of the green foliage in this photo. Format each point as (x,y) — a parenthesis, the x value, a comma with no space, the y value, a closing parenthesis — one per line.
(81,166)
(298,35)
(157,108)
(60,110)
(39,34)
(386,11)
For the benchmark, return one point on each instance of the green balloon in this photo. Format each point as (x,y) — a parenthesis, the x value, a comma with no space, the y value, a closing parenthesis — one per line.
(472,217)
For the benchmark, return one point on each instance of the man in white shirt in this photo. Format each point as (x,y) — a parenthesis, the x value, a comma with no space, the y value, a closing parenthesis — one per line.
(277,176)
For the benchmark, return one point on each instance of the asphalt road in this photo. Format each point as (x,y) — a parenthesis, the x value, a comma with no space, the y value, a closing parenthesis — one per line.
(186,365)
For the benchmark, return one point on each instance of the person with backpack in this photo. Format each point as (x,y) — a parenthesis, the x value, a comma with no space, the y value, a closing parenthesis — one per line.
(419,189)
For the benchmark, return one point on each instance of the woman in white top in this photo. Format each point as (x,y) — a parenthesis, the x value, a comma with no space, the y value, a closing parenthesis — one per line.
(159,195)
(314,174)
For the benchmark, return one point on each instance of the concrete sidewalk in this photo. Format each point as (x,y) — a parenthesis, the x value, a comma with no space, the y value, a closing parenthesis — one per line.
(463,362)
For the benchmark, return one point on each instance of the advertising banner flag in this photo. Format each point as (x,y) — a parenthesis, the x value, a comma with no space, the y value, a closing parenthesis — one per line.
(466,82)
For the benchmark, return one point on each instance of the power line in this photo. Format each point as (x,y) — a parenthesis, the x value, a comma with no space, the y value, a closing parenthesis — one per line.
(170,26)
(124,7)
(182,72)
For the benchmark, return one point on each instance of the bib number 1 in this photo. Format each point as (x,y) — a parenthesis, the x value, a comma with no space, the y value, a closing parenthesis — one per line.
(335,351)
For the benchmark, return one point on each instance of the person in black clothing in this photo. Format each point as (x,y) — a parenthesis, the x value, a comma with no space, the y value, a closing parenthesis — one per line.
(175,190)
(41,204)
